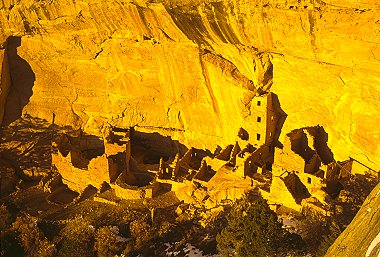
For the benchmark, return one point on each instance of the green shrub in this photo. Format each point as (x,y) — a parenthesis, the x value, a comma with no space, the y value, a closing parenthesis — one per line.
(77,239)
(254,230)
(108,242)
(328,240)
(31,238)
(9,246)
(141,232)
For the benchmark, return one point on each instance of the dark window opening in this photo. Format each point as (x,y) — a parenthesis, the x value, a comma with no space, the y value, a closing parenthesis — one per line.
(258,119)
(258,103)
(309,180)
(258,136)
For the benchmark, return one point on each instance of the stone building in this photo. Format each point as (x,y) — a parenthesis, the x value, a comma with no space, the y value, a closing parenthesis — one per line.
(81,161)
(305,174)
(265,113)
(86,160)
(267,119)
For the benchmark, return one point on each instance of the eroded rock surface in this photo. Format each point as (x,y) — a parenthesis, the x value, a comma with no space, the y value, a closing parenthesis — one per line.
(191,69)
(362,236)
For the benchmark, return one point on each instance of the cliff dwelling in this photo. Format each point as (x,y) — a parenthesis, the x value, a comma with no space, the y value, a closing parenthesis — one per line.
(300,174)
(305,175)
(140,164)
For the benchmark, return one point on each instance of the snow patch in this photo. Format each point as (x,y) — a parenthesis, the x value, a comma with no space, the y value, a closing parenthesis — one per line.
(189,250)
(192,251)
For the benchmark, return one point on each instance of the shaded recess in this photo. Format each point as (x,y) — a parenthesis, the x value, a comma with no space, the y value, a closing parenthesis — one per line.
(296,187)
(62,195)
(33,137)
(300,145)
(22,82)
(311,144)
(281,117)
(26,160)
(148,148)
(322,148)
(221,23)
(190,24)
(86,150)
(268,75)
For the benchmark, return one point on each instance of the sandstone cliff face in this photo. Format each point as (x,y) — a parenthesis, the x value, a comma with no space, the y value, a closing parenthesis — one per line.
(362,236)
(191,69)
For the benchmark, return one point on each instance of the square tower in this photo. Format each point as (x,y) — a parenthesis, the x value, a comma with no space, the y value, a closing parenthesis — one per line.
(264,120)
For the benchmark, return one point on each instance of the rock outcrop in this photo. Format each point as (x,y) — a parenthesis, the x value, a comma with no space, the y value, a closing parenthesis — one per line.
(190,69)
(362,236)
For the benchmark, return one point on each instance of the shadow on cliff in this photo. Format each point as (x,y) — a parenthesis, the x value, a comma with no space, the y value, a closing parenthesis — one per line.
(148,148)
(323,149)
(281,117)
(22,82)
(192,24)
(27,143)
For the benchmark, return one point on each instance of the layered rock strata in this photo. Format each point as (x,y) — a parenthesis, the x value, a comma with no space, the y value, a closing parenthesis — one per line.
(191,69)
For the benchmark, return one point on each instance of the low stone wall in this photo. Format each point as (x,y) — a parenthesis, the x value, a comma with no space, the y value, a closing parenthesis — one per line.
(131,193)
(279,194)
(78,179)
